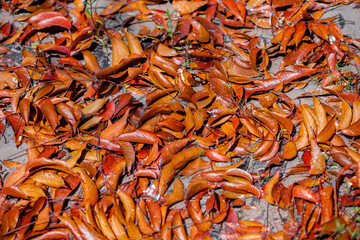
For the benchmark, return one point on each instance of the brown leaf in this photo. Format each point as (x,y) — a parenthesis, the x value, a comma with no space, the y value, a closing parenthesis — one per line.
(134,43)
(200,32)
(91,61)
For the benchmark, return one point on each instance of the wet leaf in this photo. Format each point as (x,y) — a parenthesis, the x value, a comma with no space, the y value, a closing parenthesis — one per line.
(305,193)
(185,7)
(140,136)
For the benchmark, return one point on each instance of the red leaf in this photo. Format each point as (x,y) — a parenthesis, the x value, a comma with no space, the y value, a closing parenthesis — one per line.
(305,193)
(59,21)
(139,136)
(43,16)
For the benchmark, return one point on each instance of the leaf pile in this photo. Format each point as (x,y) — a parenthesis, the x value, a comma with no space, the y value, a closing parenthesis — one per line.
(184,127)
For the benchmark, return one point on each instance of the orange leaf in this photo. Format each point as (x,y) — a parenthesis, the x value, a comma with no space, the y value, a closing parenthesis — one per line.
(49,178)
(154,209)
(223,90)
(320,29)
(182,158)
(48,108)
(326,200)
(129,154)
(200,32)
(240,188)
(238,9)
(251,127)
(327,132)
(43,16)
(128,205)
(24,108)
(14,192)
(134,43)
(91,194)
(216,156)
(91,61)
(346,114)
(320,113)
(58,21)
(178,227)
(353,130)
(187,7)
(119,49)
(309,121)
(300,29)
(139,136)
(189,120)
(172,148)
(196,185)
(112,8)
(141,218)
(335,31)
(177,195)
(305,193)
(289,151)
(269,187)
(318,160)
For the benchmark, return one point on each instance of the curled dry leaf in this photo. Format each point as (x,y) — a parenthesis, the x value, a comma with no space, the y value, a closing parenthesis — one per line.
(269,188)
(123,115)
(91,194)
